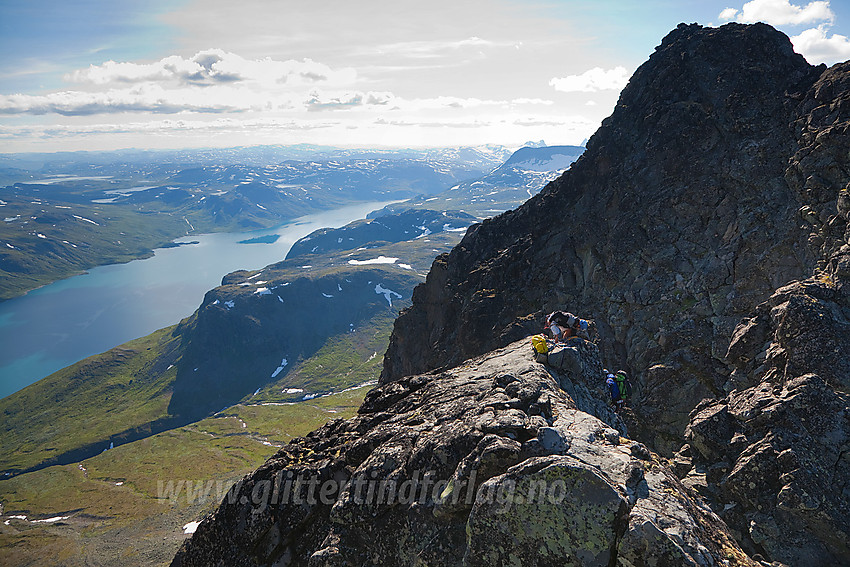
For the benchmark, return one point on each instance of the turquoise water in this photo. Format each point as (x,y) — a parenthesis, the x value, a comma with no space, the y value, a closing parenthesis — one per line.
(64,322)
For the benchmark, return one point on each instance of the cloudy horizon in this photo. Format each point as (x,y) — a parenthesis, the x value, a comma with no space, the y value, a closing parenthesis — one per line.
(219,74)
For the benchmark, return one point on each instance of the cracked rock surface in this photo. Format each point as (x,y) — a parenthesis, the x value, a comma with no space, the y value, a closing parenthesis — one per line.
(489,463)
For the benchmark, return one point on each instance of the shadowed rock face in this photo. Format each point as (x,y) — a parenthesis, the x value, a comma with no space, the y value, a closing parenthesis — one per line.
(490,463)
(777,448)
(242,331)
(675,223)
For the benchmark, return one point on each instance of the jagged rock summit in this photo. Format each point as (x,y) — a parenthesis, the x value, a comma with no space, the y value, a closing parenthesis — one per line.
(705,230)
(674,224)
(719,180)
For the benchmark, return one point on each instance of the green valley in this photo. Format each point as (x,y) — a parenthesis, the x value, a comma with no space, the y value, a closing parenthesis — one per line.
(129,505)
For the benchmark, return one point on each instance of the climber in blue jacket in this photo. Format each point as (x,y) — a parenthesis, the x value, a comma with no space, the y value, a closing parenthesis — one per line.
(614,390)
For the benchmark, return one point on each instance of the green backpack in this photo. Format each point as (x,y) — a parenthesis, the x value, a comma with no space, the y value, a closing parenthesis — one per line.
(623,384)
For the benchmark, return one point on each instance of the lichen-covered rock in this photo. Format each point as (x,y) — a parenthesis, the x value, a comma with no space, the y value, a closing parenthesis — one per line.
(783,433)
(783,485)
(489,463)
(549,510)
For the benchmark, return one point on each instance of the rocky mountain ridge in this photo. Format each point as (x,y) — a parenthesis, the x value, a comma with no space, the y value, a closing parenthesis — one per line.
(495,462)
(674,224)
(719,182)
(687,230)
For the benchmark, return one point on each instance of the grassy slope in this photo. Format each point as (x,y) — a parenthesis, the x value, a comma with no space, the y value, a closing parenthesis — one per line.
(342,362)
(87,402)
(135,523)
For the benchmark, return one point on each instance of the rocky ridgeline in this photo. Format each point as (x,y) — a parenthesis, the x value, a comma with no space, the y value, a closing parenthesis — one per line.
(675,223)
(705,230)
(490,463)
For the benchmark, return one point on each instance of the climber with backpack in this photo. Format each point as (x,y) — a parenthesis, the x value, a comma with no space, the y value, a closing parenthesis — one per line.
(624,385)
(619,387)
(564,325)
(614,390)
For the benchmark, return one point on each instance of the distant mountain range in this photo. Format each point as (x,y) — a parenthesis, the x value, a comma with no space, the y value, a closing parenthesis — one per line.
(505,187)
(71,212)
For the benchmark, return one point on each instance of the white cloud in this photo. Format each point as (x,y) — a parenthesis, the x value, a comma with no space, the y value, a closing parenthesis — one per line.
(533,101)
(321,100)
(318,100)
(168,127)
(146,98)
(435,48)
(436,123)
(817,47)
(596,79)
(159,99)
(214,66)
(780,12)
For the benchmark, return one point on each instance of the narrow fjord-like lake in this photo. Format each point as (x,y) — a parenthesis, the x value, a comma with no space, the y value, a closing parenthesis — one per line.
(59,324)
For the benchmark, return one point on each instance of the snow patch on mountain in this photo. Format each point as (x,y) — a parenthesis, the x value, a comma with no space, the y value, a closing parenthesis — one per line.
(378,260)
(280,368)
(387,293)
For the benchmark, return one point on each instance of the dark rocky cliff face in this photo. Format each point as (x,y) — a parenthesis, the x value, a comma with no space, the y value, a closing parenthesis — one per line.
(721,176)
(774,455)
(675,223)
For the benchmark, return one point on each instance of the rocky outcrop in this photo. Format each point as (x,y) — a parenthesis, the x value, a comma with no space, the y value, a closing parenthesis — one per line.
(675,223)
(773,456)
(775,452)
(490,463)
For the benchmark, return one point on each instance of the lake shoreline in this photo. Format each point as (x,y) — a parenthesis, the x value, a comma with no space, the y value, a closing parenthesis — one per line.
(63,322)
(150,252)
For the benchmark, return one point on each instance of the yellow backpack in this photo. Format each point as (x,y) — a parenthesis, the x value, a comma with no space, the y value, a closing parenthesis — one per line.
(539,344)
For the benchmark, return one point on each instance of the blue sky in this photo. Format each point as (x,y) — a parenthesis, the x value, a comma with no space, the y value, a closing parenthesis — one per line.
(95,74)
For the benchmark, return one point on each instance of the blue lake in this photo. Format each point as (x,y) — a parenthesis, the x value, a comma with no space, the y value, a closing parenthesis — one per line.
(59,324)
